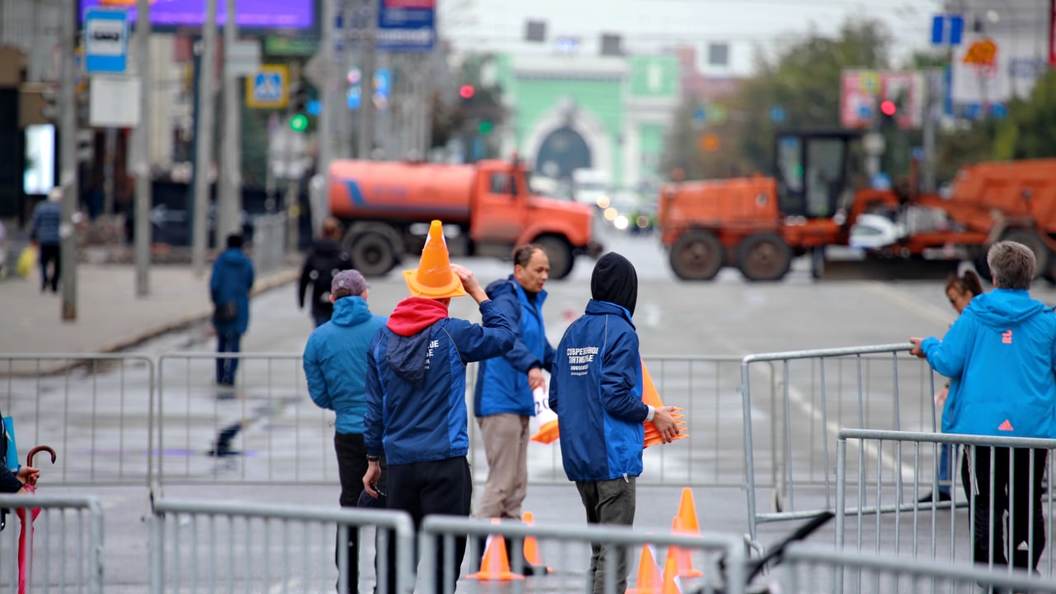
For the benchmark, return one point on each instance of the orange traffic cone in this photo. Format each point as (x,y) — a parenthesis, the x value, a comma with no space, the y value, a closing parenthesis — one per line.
(671,583)
(651,396)
(649,580)
(495,565)
(434,278)
(682,558)
(531,547)
(687,512)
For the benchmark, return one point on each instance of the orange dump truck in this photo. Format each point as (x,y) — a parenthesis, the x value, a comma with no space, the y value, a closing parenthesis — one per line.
(487,209)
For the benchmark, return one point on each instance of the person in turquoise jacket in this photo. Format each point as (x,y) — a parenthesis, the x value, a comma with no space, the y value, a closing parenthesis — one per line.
(335,365)
(999,356)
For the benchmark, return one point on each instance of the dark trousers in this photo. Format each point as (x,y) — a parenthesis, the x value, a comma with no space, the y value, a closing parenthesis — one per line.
(977,487)
(608,502)
(227,342)
(351,466)
(49,254)
(443,487)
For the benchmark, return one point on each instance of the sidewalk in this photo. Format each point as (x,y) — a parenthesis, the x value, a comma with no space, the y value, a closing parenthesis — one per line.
(110,317)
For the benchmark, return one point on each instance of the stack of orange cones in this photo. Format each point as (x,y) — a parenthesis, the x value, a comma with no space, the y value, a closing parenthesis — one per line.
(651,397)
(649,579)
(495,565)
(685,523)
(672,584)
(531,547)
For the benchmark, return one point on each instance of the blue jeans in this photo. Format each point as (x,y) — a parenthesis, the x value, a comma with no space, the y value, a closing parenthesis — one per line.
(227,342)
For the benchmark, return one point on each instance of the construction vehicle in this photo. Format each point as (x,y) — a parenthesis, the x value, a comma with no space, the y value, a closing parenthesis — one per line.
(759,224)
(486,207)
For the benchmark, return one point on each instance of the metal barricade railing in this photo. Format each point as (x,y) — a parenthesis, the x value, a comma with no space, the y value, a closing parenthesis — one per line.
(566,553)
(812,394)
(63,551)
(809,568)
(706,388)
(887,509)
(94,409)
(262,430)
(246,547)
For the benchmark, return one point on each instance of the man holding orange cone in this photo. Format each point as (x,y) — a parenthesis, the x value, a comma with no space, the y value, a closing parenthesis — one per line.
(596,391)
(416,393)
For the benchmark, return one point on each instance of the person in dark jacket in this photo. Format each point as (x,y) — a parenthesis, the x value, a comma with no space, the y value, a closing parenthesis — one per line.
(335,365)
(416,393)
(229,288)
(324,260)
(596,391)
(503,401)
(44,231)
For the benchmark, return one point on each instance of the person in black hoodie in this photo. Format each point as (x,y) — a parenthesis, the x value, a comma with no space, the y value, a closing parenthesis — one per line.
(324,260)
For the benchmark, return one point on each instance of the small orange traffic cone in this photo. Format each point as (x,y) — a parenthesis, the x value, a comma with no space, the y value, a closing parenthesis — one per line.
(687,512)
(495,565)
(651,396)
(434,278)
(649,580)
(671,583)
(682,558)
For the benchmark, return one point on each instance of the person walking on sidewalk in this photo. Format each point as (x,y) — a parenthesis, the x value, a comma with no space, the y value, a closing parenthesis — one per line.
(416,388)
(44,231)
(596,391)
(324,261)
(503,400)
(335,365)
(229,288)
(1001,352)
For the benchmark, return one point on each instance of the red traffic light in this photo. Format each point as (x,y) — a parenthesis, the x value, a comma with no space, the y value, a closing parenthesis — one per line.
(467,91)
(888,108)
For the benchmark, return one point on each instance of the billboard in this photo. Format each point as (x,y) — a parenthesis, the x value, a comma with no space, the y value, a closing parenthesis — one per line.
(994,69)
(252,14)
(862,92)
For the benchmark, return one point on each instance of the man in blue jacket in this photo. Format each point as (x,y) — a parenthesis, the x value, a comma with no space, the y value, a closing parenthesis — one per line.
(596,391)
(335,365)
(229,288)
(503,400)
(44,231)
(416,394)
(1000,356)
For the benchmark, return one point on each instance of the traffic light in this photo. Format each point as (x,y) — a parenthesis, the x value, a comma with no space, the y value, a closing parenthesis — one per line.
(299,122)
(300,108)
(467,92)
(485,127)
(888,108)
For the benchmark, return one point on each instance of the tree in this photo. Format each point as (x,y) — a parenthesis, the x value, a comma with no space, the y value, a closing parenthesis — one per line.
(1029,131)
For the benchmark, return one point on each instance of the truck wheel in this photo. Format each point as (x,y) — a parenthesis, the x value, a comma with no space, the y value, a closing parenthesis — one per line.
(372,254)
(1030,239)
(696,255)
(764,257)
(559,253)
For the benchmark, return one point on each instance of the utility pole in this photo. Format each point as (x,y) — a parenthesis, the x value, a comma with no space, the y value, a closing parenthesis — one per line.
(230,208)
(366,103)
(142,172)
(68,155)
(330,89)
(109,173)
(933,91)
(203,140)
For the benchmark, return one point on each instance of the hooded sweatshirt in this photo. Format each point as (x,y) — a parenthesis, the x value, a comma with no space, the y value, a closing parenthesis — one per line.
(1000,354)
(335,362)
(614,280)
(416,379)
(230,282)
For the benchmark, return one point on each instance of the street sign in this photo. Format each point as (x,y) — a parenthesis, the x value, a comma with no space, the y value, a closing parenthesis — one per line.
(406,25)
(947,29)
(243,58)
(863,91)
(268,88)
(105,41)
(382,88)
(113,101)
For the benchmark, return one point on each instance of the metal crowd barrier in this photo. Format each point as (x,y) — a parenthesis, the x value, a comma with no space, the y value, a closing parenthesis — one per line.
(229,546)
(809,568)
(262,430)
(63,551)
(886,515)
(566,552)
(817,392)
(94,409)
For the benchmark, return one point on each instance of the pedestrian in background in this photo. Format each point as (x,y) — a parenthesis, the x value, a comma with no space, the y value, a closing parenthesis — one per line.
(416,386)
(44,232)
(503,400)
(596,391)
(1000,354)
(324,260)
(229,288)
(335,365)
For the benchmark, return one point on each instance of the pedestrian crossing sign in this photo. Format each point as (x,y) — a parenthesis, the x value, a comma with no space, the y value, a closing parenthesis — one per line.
(268,87)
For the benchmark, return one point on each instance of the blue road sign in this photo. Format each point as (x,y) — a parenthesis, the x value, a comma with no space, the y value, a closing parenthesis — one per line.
(777,114)
(947,29)
(406,25)
(105,41)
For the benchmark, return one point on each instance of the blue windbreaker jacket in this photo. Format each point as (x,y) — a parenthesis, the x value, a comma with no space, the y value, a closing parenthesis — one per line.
(232,280)
(335,362)
(503,384)
(416,383)
(999,355)
(596,391)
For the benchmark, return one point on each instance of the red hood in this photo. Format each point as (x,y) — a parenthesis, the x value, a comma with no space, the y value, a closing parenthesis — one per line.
(414,314)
